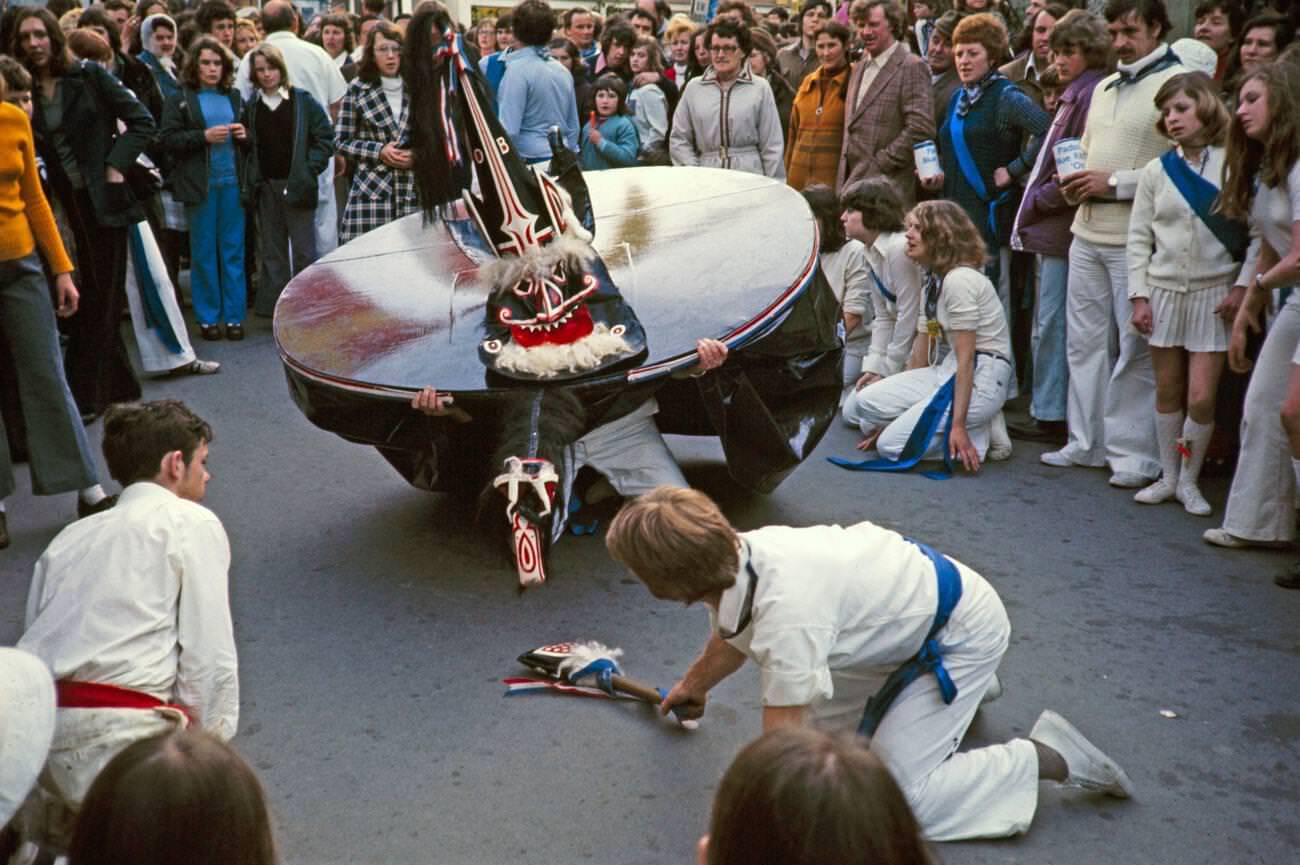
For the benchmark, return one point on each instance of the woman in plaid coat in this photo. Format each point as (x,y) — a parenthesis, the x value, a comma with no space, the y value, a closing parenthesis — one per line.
(372,132)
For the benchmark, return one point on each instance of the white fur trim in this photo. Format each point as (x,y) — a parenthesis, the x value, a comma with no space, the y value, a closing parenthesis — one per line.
(505,273)
(548,361)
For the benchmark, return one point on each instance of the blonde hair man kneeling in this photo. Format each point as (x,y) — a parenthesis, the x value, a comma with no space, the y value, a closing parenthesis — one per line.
(859,627)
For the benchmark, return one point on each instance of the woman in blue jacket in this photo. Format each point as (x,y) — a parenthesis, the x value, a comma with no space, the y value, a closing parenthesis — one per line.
(200,129)
(290,141)
(609,138)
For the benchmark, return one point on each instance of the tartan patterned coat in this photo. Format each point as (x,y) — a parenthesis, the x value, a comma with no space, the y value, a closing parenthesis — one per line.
(379,193)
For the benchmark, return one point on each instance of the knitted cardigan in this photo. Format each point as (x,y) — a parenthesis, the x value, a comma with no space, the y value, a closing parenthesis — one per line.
(25,216)
(997,127)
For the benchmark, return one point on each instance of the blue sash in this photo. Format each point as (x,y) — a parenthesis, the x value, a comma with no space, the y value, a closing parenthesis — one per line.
(155,314)
(1200,195)
(929,659)
(966,161)
(919,440)
(886,293)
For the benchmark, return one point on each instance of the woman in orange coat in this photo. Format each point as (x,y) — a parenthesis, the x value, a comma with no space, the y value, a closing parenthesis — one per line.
(812,147)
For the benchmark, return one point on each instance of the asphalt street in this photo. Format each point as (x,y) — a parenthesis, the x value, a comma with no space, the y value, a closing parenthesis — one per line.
(374,629)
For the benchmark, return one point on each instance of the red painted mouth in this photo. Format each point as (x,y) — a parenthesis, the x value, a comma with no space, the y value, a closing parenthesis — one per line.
(577,325)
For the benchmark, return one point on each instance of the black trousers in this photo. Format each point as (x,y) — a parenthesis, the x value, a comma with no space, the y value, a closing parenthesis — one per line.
(99,370)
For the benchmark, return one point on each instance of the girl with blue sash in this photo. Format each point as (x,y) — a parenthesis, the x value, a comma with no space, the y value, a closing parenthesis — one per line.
(941,408)
(1183,257)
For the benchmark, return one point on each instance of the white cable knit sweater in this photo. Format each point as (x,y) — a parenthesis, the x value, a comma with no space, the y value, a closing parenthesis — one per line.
(1120,137)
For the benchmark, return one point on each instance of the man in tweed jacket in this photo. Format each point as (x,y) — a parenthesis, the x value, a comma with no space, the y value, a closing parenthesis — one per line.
(890,105)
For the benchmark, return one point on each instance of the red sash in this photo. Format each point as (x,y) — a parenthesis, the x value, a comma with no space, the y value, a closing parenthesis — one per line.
(92,695)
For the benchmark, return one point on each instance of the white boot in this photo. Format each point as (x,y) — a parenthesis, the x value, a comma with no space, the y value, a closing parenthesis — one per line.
(1196,439)
(1169,425)
(999,440)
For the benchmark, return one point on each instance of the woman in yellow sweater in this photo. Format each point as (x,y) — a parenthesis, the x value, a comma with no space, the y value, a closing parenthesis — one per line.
(60,458)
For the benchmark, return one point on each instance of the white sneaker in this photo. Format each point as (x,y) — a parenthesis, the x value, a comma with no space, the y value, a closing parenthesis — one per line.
(1128,480)
(1086,766)
(1160,491)
(999,440)
(1059,459)
(1193,502)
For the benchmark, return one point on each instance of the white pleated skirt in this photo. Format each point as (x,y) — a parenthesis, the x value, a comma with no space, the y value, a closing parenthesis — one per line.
(1186,319)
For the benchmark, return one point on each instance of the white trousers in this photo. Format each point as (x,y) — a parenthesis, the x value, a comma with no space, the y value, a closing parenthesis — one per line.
(1261,504)
(85,740)
(896,403)
(1111,404)
(989,792)
(327,213)
(630,452)
(155,357)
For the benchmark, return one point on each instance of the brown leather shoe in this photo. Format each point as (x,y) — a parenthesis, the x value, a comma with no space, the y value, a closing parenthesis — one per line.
(4,531)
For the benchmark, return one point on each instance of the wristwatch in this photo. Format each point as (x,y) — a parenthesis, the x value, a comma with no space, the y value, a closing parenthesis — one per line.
(1259,283)
(1113,183)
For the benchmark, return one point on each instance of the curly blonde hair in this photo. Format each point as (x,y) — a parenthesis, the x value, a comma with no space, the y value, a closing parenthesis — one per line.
(950,238)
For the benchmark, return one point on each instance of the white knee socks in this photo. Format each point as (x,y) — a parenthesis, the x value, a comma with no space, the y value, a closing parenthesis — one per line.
(1196,439)
(1169,425)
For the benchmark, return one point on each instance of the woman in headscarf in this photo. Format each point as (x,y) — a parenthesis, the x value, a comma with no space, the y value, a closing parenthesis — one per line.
(158,36)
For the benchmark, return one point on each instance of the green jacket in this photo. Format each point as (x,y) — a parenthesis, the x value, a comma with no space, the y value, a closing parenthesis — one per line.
(313,146)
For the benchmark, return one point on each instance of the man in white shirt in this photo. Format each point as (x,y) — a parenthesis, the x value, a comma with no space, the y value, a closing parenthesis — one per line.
(859,628)
(130,611)
(312,69)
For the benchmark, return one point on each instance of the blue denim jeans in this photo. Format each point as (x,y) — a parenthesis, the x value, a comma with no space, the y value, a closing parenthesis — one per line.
(217,284)
(1051,371)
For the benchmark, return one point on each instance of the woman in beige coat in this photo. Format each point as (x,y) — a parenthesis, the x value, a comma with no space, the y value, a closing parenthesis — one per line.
(727,117)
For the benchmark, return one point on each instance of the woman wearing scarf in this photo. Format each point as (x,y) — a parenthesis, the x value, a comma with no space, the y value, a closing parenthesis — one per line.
(982,142)
(158,36)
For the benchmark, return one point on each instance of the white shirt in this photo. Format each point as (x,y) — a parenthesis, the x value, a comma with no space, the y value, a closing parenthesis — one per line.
(310,67)
(893,326)
(1275,210)
(273,100)
(829,599)
(137,597)
(969,302)
(871,69)
(846,271)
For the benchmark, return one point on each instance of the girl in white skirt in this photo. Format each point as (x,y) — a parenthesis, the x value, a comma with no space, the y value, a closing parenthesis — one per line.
(1263,179)
(1181,268)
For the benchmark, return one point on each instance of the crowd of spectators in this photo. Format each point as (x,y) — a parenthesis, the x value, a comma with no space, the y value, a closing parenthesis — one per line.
(1051,202)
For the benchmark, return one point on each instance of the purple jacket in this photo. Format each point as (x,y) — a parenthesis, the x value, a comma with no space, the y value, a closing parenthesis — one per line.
(1043,223)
